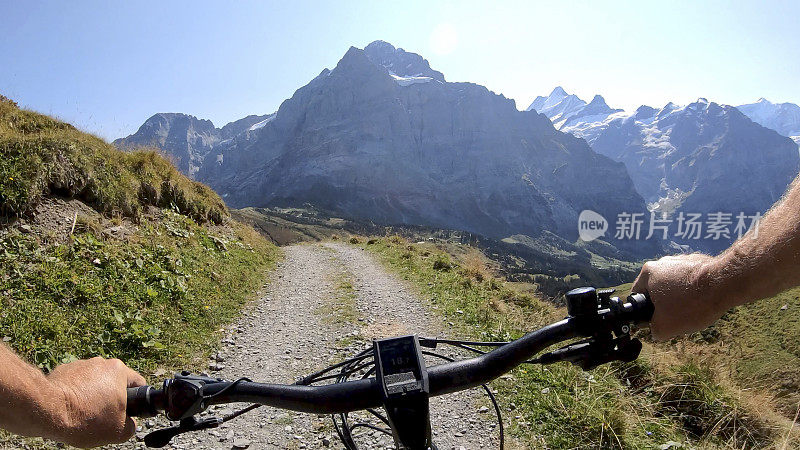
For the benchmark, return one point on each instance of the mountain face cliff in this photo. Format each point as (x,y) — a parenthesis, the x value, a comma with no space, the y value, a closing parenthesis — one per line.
(384,137)
(186,139)
(699,158)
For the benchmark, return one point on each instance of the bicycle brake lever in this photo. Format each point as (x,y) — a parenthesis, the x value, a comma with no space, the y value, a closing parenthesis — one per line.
(162,437)
(569,353)
(590,353)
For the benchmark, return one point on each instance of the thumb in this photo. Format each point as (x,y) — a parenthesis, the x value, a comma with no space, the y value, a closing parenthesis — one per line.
(641,282)
(128,430)
(134,379)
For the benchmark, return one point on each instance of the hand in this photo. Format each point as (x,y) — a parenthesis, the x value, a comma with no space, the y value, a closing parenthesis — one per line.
(95,398)
(684,292)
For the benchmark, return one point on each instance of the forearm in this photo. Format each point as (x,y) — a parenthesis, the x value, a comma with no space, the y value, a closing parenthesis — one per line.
(762,263)
(29,404)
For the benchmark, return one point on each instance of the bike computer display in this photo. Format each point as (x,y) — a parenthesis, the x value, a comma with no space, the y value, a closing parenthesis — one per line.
(400,366)
(403,378)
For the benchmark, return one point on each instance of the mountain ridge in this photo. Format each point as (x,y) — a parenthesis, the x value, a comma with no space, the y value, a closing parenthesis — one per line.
(186,138)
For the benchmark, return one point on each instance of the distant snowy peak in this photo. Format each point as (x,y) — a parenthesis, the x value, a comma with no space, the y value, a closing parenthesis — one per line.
(596,111)
(567,110)
(405,67)
(545,103)
(559,106)
(681,157)
(781,117)
(537,104)
(653,126)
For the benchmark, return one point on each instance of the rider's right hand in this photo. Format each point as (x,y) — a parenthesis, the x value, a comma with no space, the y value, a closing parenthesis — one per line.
(686,294)
(94,400)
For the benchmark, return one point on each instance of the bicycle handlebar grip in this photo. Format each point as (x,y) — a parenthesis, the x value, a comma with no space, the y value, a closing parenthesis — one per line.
(642,307)
(141,402)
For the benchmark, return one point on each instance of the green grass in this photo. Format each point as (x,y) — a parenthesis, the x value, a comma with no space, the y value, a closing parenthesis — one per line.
(341,308)
(42,156)
(644,404)
(764,340)
(156,298)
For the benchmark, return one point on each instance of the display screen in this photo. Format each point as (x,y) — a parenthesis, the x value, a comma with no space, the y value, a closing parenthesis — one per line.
(399,356)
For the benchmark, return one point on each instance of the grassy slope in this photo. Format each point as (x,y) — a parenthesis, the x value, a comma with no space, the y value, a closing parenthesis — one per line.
(42,156)
(640,405)
(756,346)
(154,298)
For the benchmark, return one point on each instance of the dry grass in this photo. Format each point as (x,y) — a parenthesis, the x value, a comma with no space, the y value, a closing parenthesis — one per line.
(474,265)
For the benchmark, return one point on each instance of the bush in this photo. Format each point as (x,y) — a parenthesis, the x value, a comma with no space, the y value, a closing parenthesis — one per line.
(354,240)
(397,239)
(442,263)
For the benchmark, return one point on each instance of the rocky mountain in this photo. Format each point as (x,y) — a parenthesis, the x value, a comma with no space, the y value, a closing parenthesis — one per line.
(186,139)
(383,137)
(699,158)
(781,117)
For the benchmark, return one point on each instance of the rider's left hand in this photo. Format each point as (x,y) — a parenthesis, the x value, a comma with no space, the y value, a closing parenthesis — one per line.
(94,401)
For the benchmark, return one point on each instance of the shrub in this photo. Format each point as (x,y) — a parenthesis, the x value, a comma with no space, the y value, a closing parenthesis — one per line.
(396,239)
(442,263)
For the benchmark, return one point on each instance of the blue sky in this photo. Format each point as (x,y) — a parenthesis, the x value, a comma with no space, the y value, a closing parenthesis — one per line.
(107,66)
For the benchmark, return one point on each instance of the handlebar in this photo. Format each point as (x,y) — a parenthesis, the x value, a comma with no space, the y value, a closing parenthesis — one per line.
(146,401)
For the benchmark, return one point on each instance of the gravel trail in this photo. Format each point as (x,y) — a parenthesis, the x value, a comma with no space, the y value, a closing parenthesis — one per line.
(297,328)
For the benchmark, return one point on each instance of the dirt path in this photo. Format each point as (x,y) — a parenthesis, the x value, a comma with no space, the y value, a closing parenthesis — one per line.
(325,303)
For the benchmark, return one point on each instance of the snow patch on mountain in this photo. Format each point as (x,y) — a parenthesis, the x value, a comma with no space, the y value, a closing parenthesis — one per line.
(408,81)
(568,112)
(261,124)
